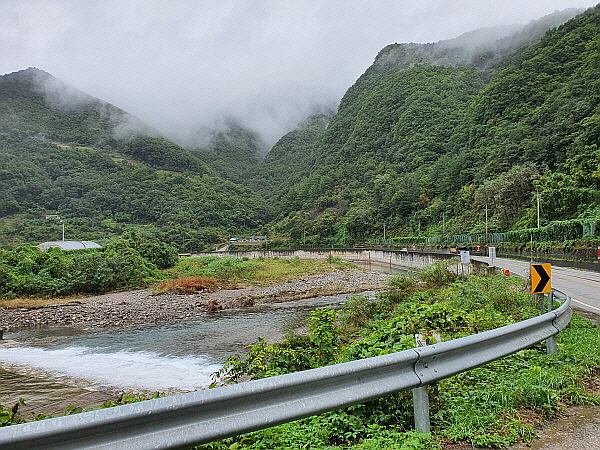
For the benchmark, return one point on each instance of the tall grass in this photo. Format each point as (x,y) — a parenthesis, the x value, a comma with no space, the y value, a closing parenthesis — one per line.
(232,272)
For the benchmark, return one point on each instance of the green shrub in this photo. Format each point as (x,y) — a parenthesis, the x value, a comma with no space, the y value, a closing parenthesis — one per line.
(28,271)
(162,255)
(333,259)
(437,274)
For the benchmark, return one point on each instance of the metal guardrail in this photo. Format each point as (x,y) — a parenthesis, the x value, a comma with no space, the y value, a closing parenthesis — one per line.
(185,420)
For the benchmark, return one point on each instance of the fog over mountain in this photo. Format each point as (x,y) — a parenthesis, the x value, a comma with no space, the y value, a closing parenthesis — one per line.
(184,65)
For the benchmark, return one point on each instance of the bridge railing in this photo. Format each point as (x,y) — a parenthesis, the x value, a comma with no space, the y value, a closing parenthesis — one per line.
(184,420)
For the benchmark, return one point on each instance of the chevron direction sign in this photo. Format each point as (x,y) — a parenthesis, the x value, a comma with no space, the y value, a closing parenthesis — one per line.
(541,279)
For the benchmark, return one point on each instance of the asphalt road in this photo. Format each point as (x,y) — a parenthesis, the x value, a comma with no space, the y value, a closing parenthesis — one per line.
(582,286)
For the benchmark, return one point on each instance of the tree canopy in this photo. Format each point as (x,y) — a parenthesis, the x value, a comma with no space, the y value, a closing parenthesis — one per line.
(430,139)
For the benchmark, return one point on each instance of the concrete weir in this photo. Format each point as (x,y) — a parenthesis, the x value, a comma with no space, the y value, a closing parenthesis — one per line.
(397,259)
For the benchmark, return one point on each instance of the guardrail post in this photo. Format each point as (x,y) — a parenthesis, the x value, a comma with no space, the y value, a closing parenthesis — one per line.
(542,299)
(421,409)
(551,346)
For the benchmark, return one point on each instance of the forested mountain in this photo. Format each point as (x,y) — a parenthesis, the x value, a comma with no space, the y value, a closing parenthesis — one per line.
(290,160)
(232,151)
(63,152)
(430,139)
(35,103)
(432,133)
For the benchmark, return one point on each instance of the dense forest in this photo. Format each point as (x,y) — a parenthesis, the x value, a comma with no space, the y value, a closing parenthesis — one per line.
(429,140)
(431,136)
(81,162)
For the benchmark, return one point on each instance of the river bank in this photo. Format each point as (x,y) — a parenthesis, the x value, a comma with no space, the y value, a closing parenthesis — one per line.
(143,307)
(50,394)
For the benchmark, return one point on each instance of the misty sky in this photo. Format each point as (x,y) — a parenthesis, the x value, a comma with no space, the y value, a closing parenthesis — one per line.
(179,64)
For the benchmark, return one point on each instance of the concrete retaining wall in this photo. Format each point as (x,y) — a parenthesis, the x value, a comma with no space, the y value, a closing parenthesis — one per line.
(392,258)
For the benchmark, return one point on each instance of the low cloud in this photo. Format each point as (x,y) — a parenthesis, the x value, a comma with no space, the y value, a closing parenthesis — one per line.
(179,64)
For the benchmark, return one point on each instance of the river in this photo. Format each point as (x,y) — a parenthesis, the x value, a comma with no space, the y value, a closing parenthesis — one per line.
(171,357)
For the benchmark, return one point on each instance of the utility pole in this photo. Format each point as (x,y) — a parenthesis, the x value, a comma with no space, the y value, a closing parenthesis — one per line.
(384,231)
(486,222)
(537,194)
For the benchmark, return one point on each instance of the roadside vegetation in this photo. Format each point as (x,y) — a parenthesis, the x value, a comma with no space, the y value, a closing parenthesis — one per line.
(493,406)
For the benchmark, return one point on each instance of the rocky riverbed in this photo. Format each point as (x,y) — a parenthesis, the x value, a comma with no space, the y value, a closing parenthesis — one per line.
(142,307)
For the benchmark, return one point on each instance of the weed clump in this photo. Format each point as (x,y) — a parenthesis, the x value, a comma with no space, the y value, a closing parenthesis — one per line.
(189,285)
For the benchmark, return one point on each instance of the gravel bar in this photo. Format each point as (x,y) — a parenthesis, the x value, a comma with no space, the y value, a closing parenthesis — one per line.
(140,307)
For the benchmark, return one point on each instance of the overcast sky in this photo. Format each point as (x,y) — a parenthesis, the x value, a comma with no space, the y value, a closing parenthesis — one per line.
(178,64)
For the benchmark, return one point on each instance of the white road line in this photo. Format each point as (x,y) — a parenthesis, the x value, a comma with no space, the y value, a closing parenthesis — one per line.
(582,303)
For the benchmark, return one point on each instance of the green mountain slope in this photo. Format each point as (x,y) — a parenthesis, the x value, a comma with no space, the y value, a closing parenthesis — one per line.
(542,111)
(63,152)
(232,152)
(35,103)
(291,159)
(431,134)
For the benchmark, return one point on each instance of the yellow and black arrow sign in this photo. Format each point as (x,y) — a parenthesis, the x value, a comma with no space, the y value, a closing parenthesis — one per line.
(541,279)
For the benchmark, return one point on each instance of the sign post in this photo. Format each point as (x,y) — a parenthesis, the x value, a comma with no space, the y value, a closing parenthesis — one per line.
(492,254)
(541,283)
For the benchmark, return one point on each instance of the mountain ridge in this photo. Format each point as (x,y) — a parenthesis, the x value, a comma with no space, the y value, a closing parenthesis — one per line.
(57,102)
(362,183)
(421,142)
(65,159)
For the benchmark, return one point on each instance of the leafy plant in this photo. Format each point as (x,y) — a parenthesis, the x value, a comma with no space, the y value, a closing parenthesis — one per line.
(10,416)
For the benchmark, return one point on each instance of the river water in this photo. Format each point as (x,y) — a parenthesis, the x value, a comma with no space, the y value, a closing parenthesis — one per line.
(173,357)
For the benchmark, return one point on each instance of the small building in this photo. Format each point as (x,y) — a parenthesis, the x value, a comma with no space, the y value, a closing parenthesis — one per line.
(69,245)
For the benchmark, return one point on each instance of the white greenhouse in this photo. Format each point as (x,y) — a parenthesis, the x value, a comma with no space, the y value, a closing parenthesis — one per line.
(69,245)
